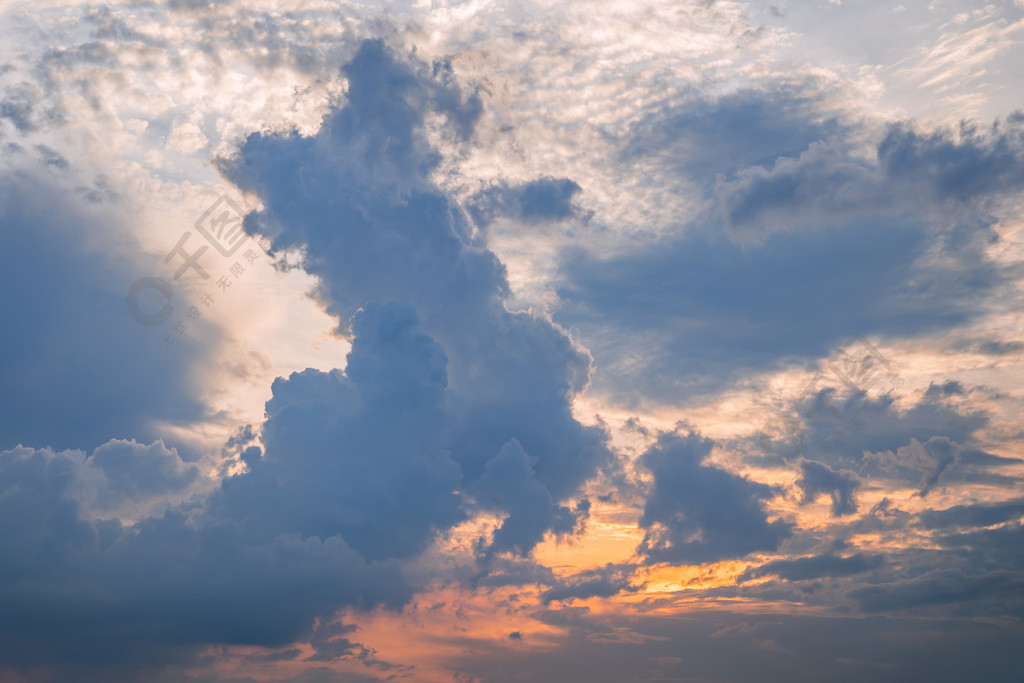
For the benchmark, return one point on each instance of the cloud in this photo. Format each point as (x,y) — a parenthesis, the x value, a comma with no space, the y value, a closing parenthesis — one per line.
(998,348)
(187,587)
(972,165)
(817,567)
(125,598)
(795,251)
(939,587)
(449,404)
(736,231)
(717,137)
(697,513)
(509,483)
(840,486)
(357,469)
(537,201)
(603,582)
(978,515)
(729,645)
(71,261)
(842,428)
(24,106)
(362,455)
(135,472)
(359,199)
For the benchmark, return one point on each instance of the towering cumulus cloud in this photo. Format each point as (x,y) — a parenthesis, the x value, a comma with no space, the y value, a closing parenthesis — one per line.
(359,199)
(445,393)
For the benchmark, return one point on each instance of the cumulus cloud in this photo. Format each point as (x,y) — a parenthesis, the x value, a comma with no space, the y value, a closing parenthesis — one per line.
(361,455)
(359,198)
(131,597)
(537,201)
(839,486)
(696,512)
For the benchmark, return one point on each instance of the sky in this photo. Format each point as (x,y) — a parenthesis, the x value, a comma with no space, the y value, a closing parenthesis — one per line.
(661,340)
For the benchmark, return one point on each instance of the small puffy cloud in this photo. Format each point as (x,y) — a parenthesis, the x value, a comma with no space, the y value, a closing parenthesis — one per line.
(25,106)
(697,513)
(542,200)
(817,479)
(186,136)
(602,582)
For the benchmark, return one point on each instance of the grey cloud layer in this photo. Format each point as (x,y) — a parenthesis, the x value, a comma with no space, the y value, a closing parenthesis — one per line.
(805,242)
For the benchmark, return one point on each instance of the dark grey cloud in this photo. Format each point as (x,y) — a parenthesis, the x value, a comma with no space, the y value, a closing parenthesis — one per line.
(941,587)
(818,479)
(913,172)
(948,388)
(803,245)
(697,513)
(977,515)
(359,198)
(538,201)
(448,403)
(603,582)
(997,348)
(708,138)
(711,312)
(817,567)
(361,455)
(922,441)
(962,167)
(94,599)
(509,482)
